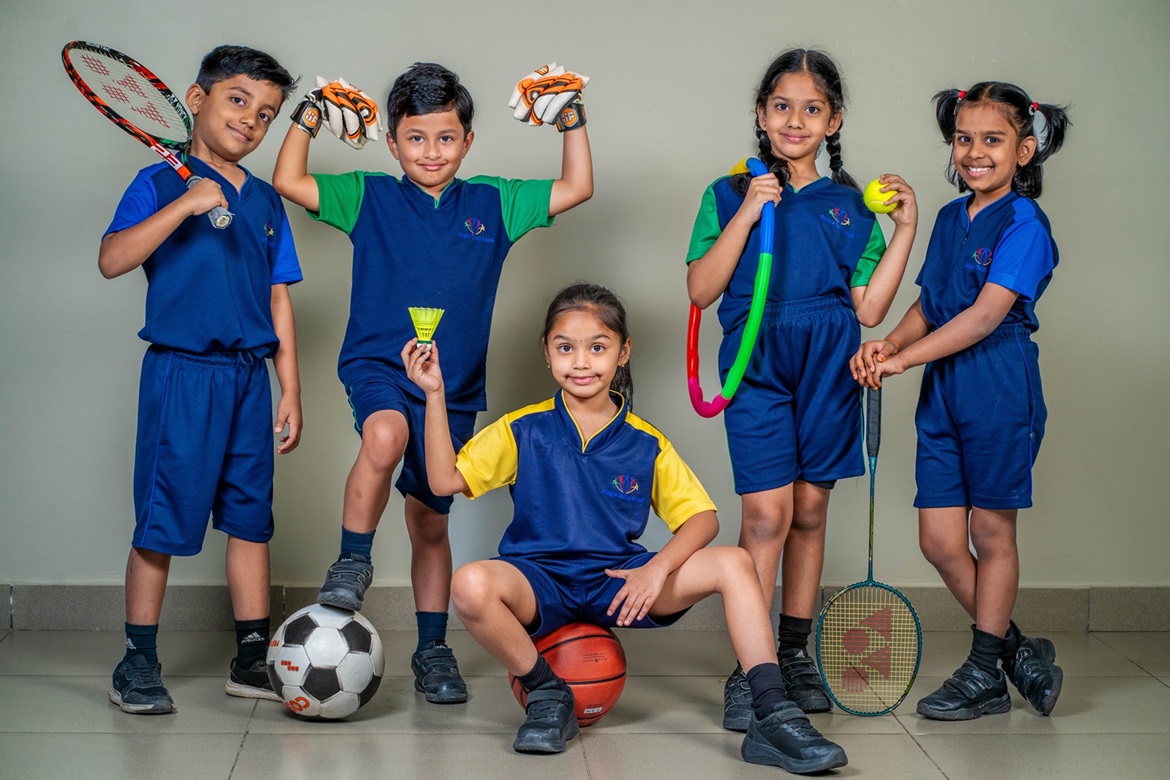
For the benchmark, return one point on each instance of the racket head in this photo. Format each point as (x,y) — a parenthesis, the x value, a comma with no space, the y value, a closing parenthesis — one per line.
(869,646)
(128,94)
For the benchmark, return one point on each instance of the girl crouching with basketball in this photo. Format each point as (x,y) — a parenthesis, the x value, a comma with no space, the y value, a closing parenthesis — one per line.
(584,473)
(981,412)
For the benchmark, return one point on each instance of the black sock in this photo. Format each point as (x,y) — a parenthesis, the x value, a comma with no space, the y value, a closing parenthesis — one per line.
(538,675)
(793,632)
(251,641)
(1011,644)
(767,686)
(432,627)
(142,640)
(985,651)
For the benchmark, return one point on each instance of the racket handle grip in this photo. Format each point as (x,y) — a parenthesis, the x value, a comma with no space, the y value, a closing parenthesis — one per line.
(873,421)
(219,216)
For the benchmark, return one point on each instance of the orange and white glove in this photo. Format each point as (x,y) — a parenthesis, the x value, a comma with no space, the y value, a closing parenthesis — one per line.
(349,113)
(550,95)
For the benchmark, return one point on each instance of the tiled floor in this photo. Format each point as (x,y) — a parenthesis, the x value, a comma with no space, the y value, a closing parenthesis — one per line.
(1113,719)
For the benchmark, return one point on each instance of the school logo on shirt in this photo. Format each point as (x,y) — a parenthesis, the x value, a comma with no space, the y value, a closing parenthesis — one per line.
(980,259)
(475,231)
(624,487)
(839,218)
(268,231)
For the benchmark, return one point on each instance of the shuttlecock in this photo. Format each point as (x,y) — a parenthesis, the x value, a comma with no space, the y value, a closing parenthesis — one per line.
(425,321)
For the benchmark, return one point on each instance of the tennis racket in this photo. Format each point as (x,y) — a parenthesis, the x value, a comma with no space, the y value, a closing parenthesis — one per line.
(869,640)
(137,101)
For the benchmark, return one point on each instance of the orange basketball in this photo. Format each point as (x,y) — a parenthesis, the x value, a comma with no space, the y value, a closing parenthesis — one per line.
(591,660)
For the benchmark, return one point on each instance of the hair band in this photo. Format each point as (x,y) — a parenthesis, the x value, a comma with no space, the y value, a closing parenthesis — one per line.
(1033,108)
(962,94)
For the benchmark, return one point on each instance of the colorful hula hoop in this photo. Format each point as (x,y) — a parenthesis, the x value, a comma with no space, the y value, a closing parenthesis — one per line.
(747,343)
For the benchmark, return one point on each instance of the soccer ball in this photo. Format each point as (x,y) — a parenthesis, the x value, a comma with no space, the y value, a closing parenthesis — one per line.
(325,663)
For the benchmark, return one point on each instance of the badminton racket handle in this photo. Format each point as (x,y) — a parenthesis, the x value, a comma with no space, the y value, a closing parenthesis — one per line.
(873,421)
(219,216)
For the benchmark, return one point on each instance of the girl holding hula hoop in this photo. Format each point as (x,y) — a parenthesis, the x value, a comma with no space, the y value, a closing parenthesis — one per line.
(794,427)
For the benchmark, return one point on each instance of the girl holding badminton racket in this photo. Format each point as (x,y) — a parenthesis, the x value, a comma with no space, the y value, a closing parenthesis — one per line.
(794,427)
(981,412)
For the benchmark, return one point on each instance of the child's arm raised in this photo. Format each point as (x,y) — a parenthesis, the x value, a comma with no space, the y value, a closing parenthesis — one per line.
(288,411)
(709,276)
(576,183)
(644,584)
(291,176)
(422,366)
(872,301)
(127,249)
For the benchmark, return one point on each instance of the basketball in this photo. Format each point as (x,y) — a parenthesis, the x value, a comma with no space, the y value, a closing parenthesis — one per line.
(591,660)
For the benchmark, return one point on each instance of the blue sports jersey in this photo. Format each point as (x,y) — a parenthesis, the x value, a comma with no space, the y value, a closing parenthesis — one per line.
(410,249)
(580,502)
(210,289)
(826,241)
(1009,243)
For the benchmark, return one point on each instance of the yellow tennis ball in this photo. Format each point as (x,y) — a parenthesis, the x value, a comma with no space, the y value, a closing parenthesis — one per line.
(875,199)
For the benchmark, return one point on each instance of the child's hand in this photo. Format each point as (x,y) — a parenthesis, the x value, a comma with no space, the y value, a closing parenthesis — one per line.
(639,593)
(906,214)
(873,360)
(763,189)
(422,365)
(288,415)
(541,96)
(203,196)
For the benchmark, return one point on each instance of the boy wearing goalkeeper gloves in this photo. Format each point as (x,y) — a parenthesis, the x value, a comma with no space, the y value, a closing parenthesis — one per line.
(428,239)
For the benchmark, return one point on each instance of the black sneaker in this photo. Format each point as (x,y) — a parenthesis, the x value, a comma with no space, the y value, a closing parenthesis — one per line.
(250,683)
(436,675)
(737,701)
(551,721)
(968,694)
(802,681)
(786,739)
(1035,674)
(346,583)
(138,688)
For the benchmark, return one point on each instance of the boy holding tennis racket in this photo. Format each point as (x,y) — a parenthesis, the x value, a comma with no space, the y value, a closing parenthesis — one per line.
(217,305)
(428,239)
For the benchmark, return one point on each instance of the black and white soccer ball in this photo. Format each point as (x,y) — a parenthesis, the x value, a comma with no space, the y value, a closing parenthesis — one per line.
(325,663)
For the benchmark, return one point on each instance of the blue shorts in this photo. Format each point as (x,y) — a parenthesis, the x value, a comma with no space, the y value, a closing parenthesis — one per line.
(377,390)
(205,449)
(579,594)
(797,413)
(980,422)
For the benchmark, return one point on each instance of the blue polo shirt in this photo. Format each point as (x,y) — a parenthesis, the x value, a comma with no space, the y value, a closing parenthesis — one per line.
(210,289)
(826,242)
(1008,243)
(411,249)
(576,499)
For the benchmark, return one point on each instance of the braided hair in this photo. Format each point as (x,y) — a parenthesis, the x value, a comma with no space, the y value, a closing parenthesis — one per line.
(1048,123)
(602,303)
(827,76)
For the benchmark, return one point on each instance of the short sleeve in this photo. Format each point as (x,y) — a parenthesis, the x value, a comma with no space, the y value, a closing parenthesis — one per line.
(523,203)
(678,495)
(706,230)
(139,201)
(1023,258)
(870,257)
(489,460)
(339,198)
(286,267)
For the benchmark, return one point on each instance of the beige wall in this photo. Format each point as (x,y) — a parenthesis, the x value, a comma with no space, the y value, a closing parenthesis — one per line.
(669,110)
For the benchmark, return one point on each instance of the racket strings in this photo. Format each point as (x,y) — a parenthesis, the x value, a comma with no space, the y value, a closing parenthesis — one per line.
(144,102)
(869,648)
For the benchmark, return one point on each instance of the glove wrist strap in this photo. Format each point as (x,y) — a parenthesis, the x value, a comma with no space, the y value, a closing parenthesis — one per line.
(307,116)
(572,117)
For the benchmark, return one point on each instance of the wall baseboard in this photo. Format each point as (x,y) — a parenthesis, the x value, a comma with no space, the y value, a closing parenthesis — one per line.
(208,608)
